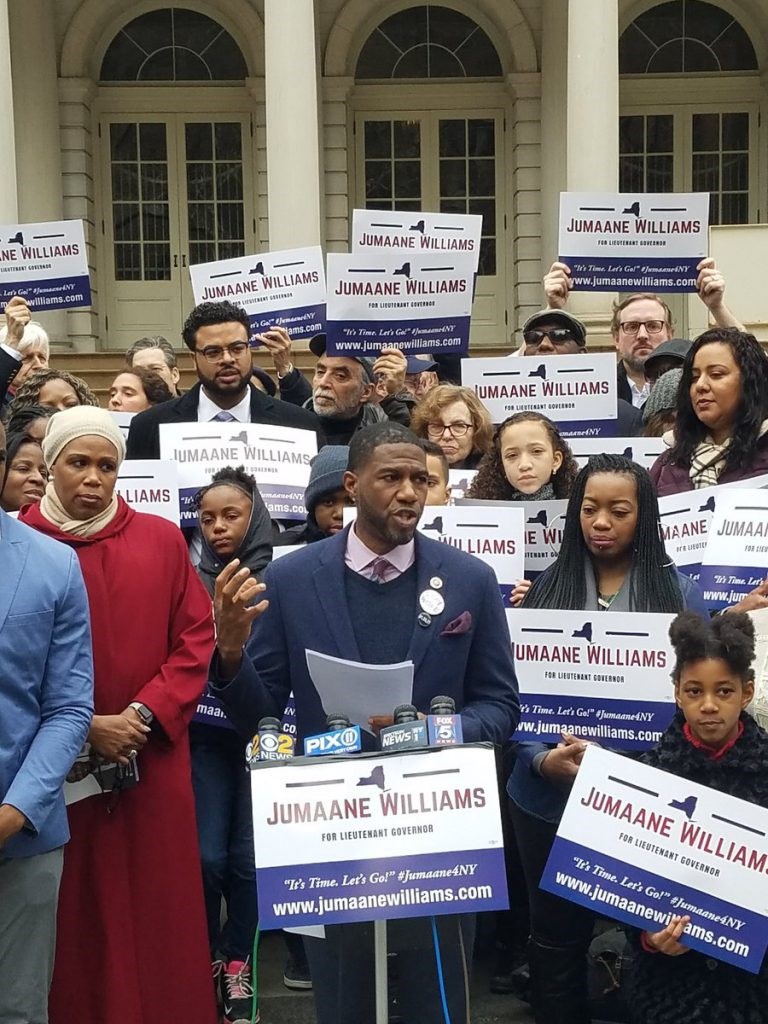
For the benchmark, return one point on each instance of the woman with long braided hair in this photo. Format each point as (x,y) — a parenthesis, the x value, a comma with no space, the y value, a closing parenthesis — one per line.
(612,559)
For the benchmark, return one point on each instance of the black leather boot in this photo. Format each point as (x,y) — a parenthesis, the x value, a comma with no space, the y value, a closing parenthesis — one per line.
(558,984)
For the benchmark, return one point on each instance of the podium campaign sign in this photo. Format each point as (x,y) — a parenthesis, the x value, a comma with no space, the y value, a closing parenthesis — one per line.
(377,836)
(599,676)
(639,845)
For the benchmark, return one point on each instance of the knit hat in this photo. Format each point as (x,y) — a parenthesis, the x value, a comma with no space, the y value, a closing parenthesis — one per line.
(80,421)
(663,396)
(326,474)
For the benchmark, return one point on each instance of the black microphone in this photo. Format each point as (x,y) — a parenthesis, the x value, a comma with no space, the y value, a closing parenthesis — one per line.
(270,743)
(340,737)
(443,724)
(408,731)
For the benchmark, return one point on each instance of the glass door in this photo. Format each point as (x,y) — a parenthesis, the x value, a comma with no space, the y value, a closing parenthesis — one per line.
(179,190)
(447,162)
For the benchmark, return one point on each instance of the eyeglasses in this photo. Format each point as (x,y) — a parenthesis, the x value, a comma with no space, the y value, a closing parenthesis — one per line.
(557,335)
(215,353)
(651,326)
(457,429)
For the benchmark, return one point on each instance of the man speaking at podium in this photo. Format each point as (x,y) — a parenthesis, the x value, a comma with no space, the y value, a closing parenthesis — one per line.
(377,593)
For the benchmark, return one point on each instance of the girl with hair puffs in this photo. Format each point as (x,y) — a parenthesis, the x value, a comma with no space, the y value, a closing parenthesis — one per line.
(612,559)
(716,743)
(528,461)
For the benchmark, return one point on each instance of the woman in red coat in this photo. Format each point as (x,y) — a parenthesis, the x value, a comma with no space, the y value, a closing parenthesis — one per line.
(132,946)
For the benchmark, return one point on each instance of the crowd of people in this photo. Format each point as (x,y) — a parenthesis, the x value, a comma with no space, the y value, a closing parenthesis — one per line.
(143,657)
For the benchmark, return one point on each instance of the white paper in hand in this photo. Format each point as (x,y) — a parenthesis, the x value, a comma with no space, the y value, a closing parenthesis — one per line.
(359,691)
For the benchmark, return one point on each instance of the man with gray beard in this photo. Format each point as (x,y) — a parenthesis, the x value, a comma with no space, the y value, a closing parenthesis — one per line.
(347,392)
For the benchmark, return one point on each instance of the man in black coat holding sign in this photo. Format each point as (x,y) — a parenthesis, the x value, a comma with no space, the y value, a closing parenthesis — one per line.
(217,334)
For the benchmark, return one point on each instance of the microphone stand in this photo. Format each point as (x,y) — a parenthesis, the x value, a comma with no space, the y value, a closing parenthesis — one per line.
(380,966)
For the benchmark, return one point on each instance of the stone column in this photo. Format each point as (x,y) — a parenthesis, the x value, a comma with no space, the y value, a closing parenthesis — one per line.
(78,153)
(593,124)
(8,197)
(554,92)
(36,116)
(292,116)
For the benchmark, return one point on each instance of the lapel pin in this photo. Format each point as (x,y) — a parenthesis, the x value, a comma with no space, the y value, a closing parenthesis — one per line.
(424,619)
(436,583)
(432,602)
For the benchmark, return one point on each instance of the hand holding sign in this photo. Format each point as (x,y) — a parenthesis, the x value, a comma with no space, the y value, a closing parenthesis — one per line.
(390,369)
(757,598)
(561,765)
(17,316)
(557,285)
(278,344)
(668,939)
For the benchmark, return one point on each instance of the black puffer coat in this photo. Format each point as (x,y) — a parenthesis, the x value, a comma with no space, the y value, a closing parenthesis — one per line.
(695,988)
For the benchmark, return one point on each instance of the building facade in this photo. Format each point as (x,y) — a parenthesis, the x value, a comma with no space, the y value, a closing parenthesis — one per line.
(205,129)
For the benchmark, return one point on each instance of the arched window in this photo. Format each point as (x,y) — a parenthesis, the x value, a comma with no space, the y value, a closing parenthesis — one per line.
(173,45)
(685,36)
(428,42)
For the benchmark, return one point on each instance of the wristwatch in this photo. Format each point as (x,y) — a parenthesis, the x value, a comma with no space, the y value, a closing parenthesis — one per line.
(288,372)
(143,712)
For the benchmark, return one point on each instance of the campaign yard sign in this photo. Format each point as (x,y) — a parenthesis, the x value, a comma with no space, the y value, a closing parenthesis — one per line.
(543,523)
(377,836)
(599,676)
(278,458)
(492,534)
(578,392)
(418,303)
(685,520)
(640,845)
(276,289)
(642,450)
(46,263)
(398,231)
(649,242)
(735,558)
(150,485)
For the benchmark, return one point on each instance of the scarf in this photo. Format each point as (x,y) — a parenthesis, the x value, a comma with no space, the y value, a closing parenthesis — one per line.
(709,459)
(622,602)
(53,510)
(545,493)
(708,462)
(255,551)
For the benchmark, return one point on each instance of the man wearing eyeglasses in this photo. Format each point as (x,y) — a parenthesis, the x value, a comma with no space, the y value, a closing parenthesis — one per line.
(553,332)
(217,333)
(642,322)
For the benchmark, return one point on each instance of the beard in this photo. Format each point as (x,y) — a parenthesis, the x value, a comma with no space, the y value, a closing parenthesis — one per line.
(387,529)
(636,363)
(335,408)
(218,390)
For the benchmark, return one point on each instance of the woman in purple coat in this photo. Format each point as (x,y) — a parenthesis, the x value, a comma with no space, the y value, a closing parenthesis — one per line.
(721,432)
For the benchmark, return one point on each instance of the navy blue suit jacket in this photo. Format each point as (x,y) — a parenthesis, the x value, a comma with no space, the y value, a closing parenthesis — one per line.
(308,609)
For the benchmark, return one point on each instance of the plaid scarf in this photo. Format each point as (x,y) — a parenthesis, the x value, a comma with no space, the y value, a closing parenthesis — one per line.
(708,462)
